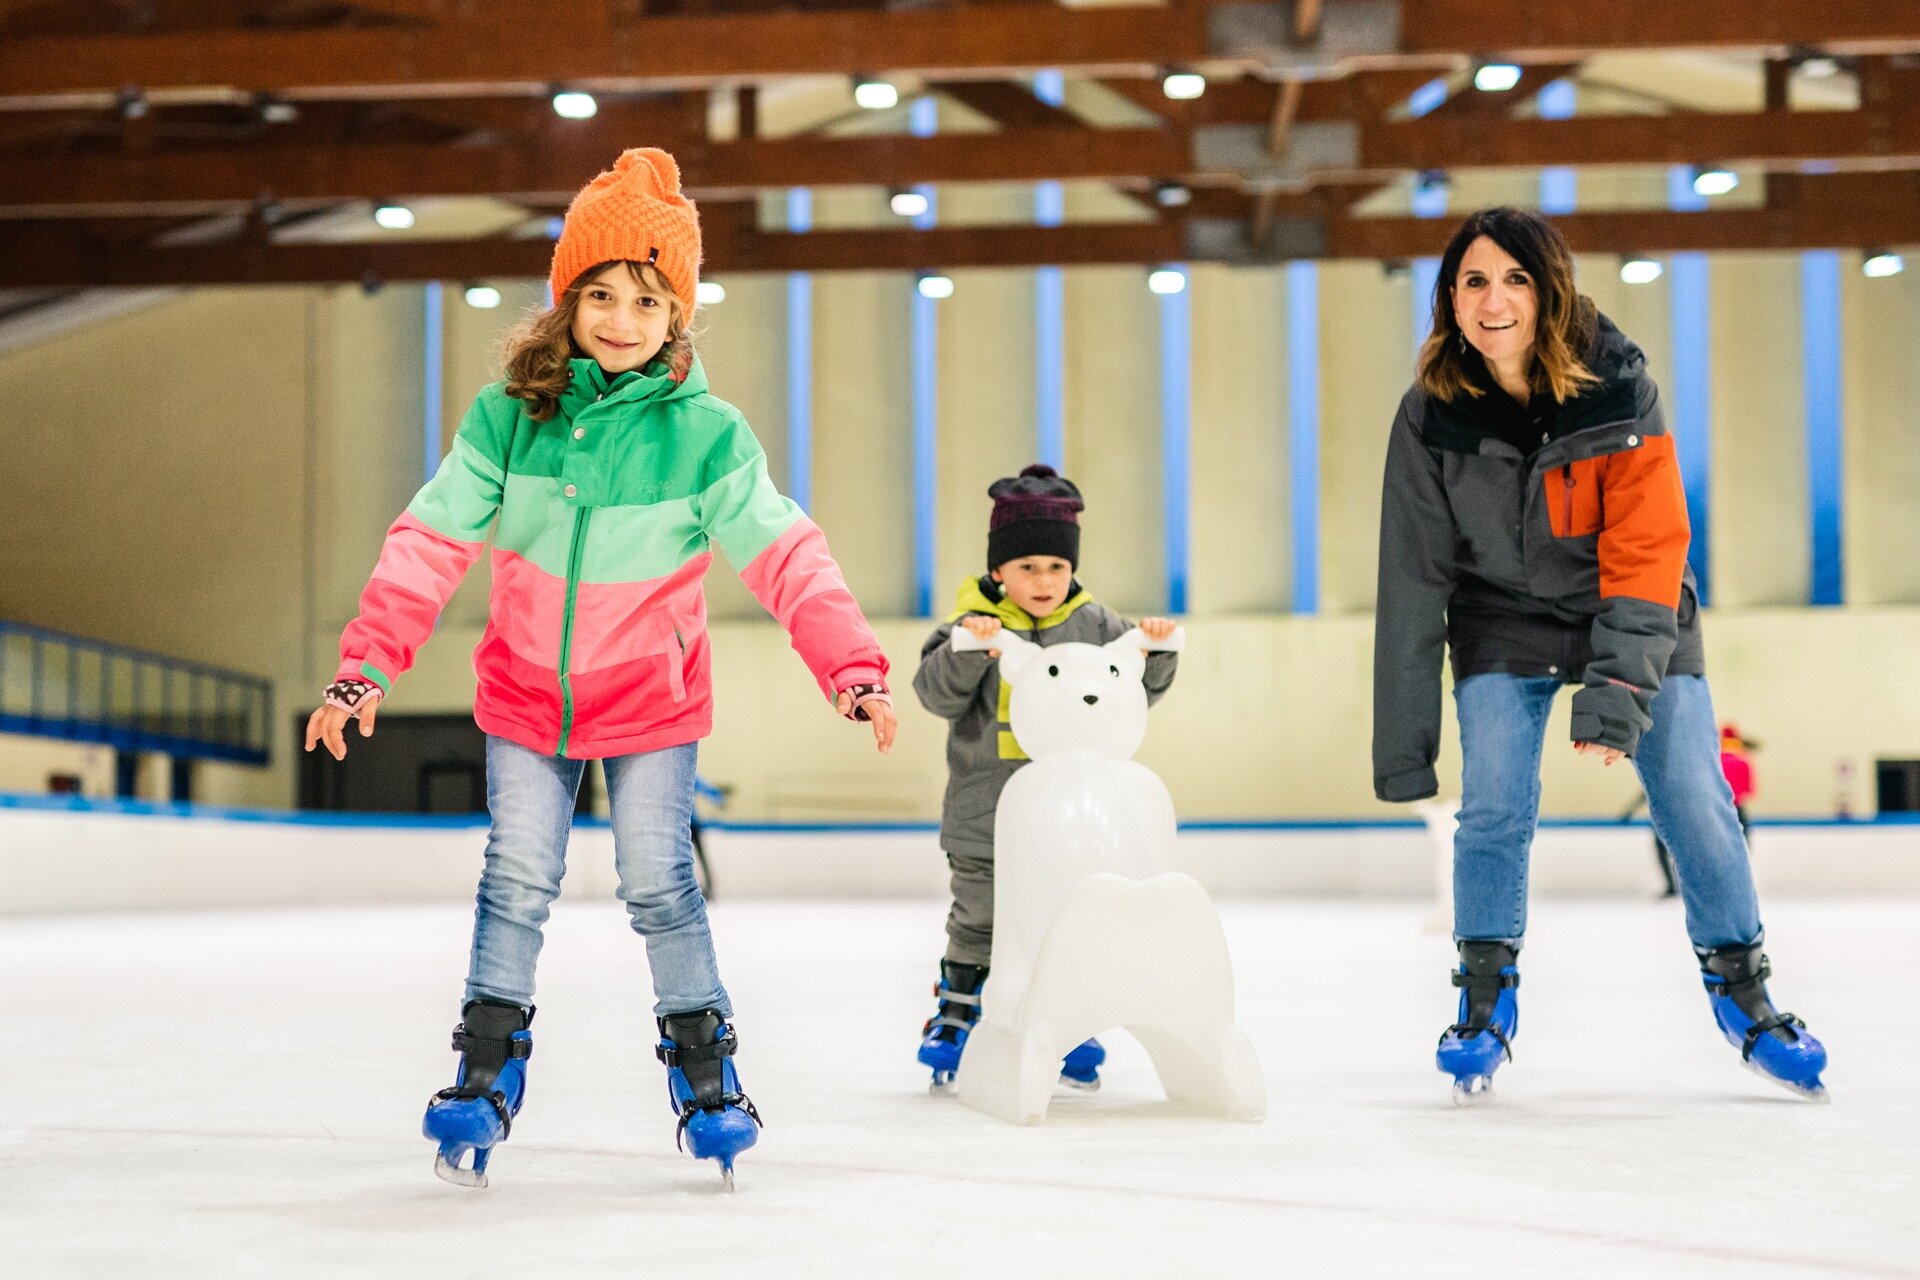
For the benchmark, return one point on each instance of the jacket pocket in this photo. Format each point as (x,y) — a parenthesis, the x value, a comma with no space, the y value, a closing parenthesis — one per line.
(1573,498)
(669,642)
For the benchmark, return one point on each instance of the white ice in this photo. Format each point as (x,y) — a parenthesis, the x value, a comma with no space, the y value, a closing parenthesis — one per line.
(240,1094)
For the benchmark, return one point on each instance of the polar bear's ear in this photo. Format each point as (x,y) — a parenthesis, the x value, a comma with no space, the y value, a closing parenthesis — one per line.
(1124,653)
(1015,653)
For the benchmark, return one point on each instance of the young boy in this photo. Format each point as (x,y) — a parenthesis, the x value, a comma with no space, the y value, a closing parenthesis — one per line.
(1033,546)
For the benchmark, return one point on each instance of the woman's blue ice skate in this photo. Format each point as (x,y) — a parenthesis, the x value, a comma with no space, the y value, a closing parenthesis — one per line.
(945,1034)
(1774,1045)
(717,1121)
(1080,1069)
(477,1113)
(1472,1049)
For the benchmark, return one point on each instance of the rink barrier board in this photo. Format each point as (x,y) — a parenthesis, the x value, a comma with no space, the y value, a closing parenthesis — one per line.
(59,854)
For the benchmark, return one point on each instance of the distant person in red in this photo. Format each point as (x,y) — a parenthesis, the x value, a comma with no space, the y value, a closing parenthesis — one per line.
(1738,768)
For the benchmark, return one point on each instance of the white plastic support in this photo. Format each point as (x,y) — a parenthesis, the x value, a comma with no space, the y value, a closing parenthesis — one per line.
(1091,931)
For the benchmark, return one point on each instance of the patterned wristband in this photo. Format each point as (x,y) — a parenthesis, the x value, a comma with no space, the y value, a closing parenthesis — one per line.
(351,695)
(863,694)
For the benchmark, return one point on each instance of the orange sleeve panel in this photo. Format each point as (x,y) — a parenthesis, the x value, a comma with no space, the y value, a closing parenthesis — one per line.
(1643,531)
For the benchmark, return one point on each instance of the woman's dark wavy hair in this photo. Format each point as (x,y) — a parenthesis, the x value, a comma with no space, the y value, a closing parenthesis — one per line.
(1564,326)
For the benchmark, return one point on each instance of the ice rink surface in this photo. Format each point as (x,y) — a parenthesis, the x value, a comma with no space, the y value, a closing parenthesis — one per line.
(240,1094)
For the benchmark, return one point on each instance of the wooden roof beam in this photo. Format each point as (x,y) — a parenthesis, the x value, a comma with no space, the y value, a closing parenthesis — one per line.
(509,45)
(554,166)
(57,257)
(1537,30)
(1888,138)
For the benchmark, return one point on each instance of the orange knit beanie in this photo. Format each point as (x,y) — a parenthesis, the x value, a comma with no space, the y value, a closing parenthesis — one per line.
(632,212)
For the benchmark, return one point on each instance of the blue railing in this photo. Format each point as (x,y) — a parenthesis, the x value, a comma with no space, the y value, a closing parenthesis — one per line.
(54,685)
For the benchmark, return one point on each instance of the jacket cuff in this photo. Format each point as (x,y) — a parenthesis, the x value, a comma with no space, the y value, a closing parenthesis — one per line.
(364,669)
(1607,715)
(1415,784)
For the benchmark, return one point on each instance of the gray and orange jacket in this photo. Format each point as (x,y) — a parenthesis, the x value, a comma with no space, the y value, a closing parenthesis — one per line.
(1571,563)
(964,689)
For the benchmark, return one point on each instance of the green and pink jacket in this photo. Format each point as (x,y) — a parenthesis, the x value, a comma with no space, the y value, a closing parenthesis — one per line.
(603,522)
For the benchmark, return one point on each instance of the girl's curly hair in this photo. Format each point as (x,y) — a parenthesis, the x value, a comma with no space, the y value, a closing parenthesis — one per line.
(536,352)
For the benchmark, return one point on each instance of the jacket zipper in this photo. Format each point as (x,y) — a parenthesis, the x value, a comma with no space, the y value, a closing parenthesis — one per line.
(574,555)
(1566,493)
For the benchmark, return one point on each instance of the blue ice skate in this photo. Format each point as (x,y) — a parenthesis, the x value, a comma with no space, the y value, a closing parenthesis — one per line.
(945,1034)
(477,1113)
(1774,1045)
(1080,1069)
(1472,1049)
(717,1121)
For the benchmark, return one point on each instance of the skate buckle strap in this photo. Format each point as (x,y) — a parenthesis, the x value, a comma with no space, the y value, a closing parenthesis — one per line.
(1498,981)
(721,1103)
(498,1099)
(1779,1021)
(942,1020)
(464,1043)
(1758,978)
(1466,1032)
(946,995)
(674,1055)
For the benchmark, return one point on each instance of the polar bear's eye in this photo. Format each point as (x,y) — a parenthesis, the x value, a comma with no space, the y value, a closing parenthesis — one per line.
(1115,672)
(1053,671)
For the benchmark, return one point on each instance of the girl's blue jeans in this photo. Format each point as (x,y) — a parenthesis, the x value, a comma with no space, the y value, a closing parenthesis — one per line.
(531,797)
(1503,720)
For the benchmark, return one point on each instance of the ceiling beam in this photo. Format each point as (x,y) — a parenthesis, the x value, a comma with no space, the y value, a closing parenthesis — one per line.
(1843,211)
(1532,30)
(1866,139)
(1817,225)
(517,45)
(432,48)
(552,167)
(59,257)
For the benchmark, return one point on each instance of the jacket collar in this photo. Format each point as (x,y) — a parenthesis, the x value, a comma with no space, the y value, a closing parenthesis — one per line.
(984,595)
(1614,358)
(588,384)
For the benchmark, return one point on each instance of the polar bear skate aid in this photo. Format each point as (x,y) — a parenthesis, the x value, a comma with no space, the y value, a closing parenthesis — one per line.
(1089,932)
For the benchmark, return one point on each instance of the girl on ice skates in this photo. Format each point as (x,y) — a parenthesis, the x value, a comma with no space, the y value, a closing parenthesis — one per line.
(605,471)
(1534,524)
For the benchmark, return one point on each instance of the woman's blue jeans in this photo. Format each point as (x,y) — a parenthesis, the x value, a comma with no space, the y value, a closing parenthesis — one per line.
(1503,721)
(531,797)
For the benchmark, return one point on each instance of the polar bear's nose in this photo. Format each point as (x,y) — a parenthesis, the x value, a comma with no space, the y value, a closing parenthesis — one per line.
(1090,698)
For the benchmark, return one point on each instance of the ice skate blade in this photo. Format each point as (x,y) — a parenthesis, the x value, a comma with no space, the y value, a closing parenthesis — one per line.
(1811,1093)
(1080,1086)
(726,1180)
(1471,1091)
(943,1088)
(450,1172)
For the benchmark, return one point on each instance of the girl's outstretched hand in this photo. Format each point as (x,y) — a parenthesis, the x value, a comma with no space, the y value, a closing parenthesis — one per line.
(879,714)
(328,720)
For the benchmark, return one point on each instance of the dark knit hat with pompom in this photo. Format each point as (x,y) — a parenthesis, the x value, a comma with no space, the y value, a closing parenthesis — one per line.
(1035,513)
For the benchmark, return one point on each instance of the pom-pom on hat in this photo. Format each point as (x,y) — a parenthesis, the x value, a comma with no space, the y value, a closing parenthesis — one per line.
(1036,513)
(633,212)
